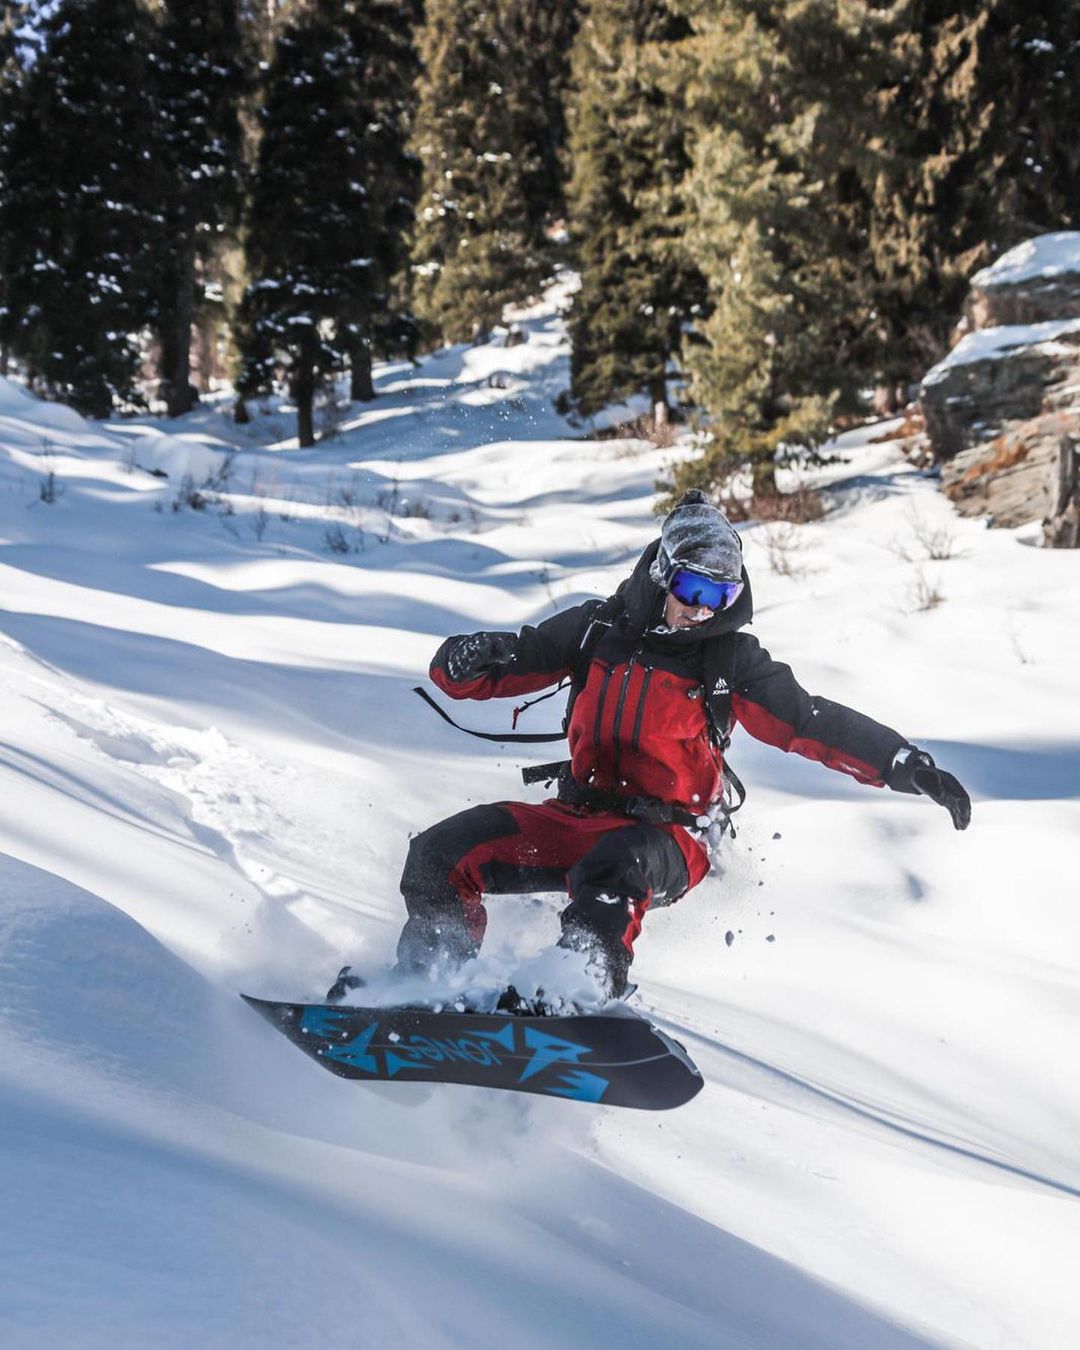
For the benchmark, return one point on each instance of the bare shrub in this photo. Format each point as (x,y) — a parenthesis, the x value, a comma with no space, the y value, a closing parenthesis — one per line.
(218,480)
(334,539)
(928,543)
(190,497)
(659,431)
(416,508)
(785,550)
(472,515)
(798,507)
(347,495)
(801,506)
(924,593)
(1014,639)
(910,436)
(389,502)
(259,522)
(338,539)
(48,488)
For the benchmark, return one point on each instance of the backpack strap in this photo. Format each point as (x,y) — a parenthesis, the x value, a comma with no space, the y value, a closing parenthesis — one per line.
(602,620)
(718,677)
(501,737)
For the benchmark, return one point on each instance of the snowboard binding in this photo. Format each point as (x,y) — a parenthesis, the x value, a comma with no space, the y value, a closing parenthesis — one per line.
(344,984)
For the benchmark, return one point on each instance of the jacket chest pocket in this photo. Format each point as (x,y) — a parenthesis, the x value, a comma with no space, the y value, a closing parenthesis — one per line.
(676,707)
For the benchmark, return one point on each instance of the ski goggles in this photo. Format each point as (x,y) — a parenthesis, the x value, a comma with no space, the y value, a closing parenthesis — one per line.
(696,590)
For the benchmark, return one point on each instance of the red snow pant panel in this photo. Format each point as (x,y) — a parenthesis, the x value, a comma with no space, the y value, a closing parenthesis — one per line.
(519,847)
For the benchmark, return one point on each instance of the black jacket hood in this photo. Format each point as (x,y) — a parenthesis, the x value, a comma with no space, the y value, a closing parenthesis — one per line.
(643,608)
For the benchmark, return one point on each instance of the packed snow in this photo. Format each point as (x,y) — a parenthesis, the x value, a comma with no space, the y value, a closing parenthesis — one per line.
(1046,255)
(212,762)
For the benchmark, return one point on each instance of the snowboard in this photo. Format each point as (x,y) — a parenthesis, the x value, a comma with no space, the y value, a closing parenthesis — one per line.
(614,1057)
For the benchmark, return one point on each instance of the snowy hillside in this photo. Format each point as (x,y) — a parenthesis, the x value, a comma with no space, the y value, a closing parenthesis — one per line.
(211,765)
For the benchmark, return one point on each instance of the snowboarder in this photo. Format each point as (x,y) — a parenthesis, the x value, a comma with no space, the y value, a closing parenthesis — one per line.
(659,673)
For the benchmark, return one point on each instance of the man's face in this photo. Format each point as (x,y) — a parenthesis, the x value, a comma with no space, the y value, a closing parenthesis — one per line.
(678,615)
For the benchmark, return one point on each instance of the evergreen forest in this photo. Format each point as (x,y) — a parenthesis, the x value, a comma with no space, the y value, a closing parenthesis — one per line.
(773,206)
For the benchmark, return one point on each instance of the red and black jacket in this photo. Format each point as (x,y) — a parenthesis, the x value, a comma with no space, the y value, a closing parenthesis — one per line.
(649,713)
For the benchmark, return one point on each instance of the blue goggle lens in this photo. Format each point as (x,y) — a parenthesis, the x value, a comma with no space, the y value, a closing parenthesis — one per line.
(691,588)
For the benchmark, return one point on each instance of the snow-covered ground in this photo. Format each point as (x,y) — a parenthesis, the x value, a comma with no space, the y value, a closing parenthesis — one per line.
(211,763)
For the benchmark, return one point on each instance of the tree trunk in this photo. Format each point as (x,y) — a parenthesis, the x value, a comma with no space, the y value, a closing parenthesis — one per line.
(303,392)
(888,399)
(361,388)
(176,323)
(658,391)
(764,484)
(241,416)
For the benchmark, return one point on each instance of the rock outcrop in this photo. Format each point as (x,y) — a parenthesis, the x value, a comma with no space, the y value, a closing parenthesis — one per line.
(1028,473)
(1002,410)
(999,376)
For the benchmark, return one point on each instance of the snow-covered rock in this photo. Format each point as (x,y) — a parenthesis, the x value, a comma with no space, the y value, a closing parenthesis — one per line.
(999,376)
(1004,404)
(1037,281)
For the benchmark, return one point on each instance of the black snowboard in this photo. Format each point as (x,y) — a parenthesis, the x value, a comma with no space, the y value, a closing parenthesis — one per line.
(612,1057)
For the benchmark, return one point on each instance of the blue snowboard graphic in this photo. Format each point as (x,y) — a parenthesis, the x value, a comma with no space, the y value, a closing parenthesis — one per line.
(615,1058)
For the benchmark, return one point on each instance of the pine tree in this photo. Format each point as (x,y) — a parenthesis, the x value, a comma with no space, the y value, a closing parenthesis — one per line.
(381,324)
(476,246)
(638,285)
(775,92)
(982,102)
(201,74)
(77,217)
(11,77)
(330,200)
(541,35)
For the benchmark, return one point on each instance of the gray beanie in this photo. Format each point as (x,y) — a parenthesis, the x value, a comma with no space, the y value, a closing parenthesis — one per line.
(697,535)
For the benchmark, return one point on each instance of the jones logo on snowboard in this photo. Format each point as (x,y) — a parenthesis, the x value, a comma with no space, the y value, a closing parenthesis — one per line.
(617,1058)
(483,1049)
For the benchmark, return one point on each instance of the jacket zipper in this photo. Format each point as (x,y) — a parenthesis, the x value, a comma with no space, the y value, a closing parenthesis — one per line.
(600,706)
(635,740)
(618,716)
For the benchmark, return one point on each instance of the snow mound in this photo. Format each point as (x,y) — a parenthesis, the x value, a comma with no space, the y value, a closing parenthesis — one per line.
(87,991)
(17,403)
(181,457)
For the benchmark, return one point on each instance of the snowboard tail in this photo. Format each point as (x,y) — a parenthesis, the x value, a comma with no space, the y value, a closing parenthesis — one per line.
(618,1059)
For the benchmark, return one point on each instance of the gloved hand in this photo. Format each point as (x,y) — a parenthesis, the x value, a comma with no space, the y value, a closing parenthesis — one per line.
(913,770)
(478,654)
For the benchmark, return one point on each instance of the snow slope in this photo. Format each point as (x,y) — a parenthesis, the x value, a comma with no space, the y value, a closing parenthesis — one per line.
(211,762)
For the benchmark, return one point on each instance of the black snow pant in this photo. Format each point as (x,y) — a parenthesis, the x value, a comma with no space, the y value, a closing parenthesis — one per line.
(613,869)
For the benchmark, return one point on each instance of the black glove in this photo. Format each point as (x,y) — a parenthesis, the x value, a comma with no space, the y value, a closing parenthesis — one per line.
(478,654)
(913,770)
